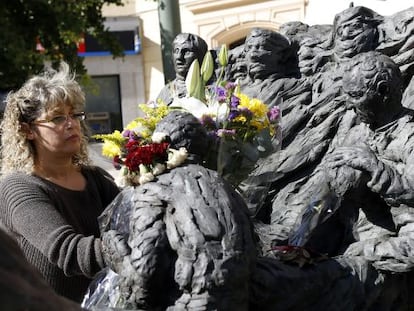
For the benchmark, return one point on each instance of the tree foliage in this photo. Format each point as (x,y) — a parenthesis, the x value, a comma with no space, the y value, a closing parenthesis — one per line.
(57,25)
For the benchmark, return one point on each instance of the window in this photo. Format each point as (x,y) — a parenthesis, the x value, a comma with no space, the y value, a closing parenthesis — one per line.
(103,105)
(129,40)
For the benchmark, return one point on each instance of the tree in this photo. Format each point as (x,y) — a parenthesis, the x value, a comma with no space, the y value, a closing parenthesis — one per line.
(35,31)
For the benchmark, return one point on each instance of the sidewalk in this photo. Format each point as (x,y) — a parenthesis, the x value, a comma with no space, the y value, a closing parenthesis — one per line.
(95,153)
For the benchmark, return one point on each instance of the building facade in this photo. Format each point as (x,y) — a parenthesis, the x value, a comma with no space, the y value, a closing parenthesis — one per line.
(124,83)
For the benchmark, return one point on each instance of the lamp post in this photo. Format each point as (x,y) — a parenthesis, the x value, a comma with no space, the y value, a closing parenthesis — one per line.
(170,26)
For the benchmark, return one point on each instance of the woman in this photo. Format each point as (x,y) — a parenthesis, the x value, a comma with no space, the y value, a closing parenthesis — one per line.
(50,195)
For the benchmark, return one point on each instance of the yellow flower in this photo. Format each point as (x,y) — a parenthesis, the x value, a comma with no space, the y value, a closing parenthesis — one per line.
(112,143)
(241,119)
(257,107)
(110,148)
(244,100)
(258,125)
(153,115)
(133,124)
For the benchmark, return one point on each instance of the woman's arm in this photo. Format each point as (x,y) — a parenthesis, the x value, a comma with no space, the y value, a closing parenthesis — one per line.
(29,213)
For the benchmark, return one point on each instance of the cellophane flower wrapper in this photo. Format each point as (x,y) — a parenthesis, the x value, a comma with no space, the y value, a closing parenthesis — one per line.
(101,291)
(244,162)
(246,129)
(238,159)
(252,178)
(320,207)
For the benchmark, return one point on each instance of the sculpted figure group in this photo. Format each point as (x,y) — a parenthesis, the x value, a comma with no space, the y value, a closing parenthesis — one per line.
(332,227)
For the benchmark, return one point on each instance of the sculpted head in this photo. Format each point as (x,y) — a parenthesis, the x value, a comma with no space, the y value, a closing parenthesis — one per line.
(237,63)
(266,52)
(373,85)
(355,31)
(184,130)
(186,48)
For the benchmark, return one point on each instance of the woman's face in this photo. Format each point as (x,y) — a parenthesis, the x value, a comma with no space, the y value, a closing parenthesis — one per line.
(57,132)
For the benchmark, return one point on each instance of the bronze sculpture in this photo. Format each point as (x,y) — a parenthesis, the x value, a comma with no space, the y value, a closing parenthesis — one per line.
(334,227)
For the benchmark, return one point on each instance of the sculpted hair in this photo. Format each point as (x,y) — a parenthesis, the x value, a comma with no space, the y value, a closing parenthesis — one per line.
(39,94)
(275,39)
(378,72)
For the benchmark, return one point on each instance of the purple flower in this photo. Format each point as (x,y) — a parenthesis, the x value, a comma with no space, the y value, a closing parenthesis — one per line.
(234,101)
(230,86)
(246,112)
(207,121)
(126,133)
(226,132)
(221,94)
(234,113)
(274,113)
(212,134)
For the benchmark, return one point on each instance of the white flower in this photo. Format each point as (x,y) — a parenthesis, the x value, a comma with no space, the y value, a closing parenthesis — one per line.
(193,105)
(176,157)
(158,137)
(146,177)
(140,128)
(120,181)
(158,169)
(143,169)
(219,110)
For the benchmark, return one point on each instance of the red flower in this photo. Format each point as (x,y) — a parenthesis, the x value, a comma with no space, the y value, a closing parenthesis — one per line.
(117,162)
(146,154)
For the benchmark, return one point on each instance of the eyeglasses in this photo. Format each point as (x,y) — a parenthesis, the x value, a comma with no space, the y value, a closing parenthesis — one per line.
(59,120)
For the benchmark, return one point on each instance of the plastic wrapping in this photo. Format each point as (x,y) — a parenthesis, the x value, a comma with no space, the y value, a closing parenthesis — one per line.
(101,291)
(319,209)
(251,166)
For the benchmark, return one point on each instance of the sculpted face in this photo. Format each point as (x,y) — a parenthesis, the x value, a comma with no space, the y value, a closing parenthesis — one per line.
(183,56)
(372,86)
(354,37)
(257,55)
(264,54)
(355,31)
(360,96)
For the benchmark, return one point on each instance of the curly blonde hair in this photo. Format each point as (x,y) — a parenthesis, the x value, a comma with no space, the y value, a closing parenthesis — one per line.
(39,94)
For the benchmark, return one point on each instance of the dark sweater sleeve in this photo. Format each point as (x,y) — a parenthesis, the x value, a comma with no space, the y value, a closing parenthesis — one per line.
(28,212)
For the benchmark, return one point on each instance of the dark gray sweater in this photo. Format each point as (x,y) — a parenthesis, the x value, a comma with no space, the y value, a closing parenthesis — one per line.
(57,228)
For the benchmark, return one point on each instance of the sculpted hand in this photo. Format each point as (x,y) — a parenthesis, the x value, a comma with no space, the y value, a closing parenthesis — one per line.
(114,248)
(357,157)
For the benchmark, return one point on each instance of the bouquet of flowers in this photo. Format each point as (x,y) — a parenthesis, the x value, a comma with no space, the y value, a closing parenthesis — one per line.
(140,152)
(245,128)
